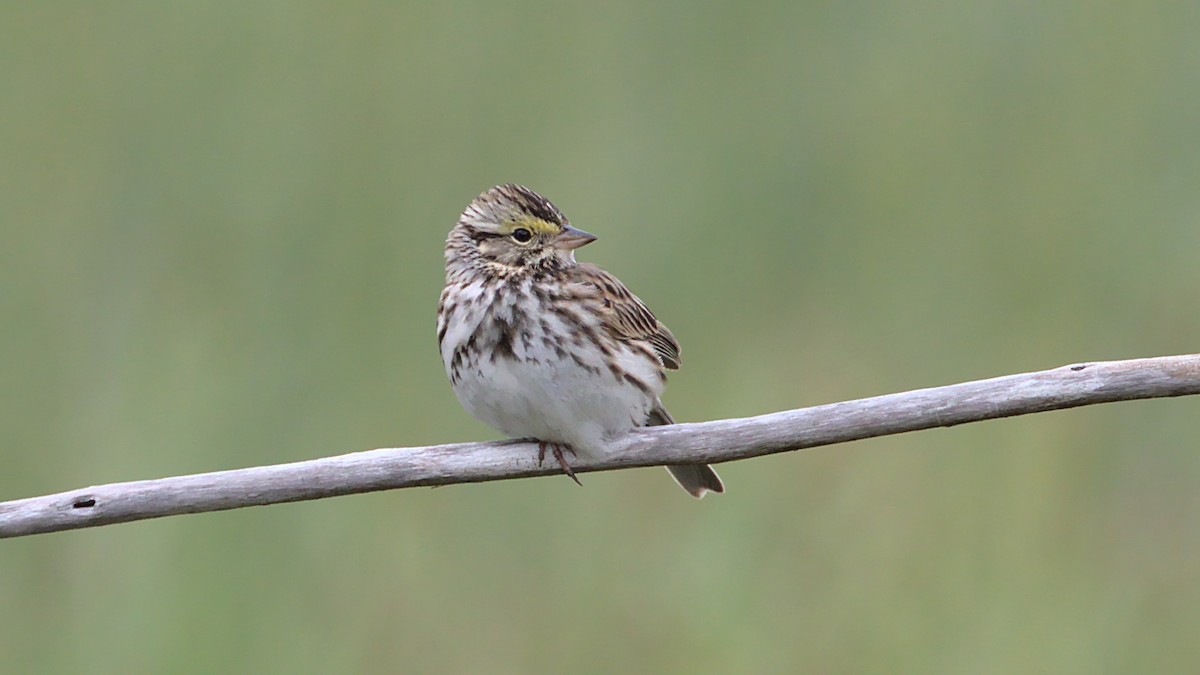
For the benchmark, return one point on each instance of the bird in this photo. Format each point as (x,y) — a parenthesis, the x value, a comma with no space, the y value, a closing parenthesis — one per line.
(539,346)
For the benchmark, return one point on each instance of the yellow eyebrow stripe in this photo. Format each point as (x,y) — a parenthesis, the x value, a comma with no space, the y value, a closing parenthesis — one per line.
(536,225)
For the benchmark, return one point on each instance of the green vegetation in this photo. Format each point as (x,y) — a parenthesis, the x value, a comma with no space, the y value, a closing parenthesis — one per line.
(221,230)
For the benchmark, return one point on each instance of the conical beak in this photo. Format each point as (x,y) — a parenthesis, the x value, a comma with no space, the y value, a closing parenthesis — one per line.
(571,238)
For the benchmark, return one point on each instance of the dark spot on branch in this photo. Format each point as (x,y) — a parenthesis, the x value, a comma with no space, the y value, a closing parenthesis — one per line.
(84,503)
(1079,367)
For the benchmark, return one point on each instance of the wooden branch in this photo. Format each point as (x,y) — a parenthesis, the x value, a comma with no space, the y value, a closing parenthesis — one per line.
(712,442)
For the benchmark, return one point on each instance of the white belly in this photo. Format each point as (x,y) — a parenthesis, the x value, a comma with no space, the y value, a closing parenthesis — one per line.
(556,400)
(527,389)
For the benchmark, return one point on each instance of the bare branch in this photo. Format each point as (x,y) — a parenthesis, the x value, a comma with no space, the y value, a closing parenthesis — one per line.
(719,441)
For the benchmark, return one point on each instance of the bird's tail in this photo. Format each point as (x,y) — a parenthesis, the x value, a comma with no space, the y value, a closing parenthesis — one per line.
(697,479)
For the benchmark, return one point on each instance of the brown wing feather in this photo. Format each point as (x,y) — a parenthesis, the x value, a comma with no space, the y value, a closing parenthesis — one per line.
(628,318)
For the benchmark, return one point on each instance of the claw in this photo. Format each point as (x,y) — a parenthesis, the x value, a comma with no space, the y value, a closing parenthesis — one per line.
(557,451)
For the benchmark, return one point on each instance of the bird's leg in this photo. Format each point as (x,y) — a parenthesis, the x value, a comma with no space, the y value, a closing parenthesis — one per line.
(557,450)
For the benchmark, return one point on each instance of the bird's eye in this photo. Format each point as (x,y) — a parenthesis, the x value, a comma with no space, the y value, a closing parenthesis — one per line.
(522,235)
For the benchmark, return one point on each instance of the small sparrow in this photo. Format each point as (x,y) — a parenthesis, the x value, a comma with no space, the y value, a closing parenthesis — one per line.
(542,347)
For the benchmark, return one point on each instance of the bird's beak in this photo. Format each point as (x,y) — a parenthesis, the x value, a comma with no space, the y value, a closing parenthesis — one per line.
(571,238)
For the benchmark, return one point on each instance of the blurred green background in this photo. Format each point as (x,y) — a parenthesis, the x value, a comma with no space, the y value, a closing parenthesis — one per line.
(222,229)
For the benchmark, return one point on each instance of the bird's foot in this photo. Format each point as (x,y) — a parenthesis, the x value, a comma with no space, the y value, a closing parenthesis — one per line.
(557,450)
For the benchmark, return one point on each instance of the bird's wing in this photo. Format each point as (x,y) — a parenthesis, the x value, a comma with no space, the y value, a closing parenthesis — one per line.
(627,318)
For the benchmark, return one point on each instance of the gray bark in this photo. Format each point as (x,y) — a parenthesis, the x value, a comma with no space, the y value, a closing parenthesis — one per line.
(708,442)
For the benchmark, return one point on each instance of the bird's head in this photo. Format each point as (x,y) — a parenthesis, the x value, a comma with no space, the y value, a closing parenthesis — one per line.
(514,227)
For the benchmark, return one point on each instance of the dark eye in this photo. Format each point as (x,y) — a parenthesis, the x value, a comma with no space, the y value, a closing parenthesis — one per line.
(522,235)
